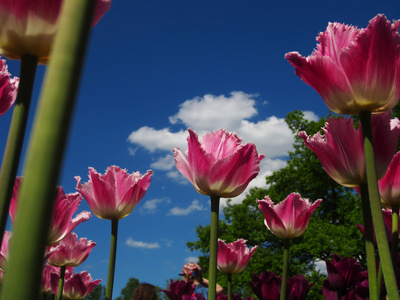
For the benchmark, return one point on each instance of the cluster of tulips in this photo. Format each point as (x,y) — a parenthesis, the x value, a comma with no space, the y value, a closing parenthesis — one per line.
(356,71)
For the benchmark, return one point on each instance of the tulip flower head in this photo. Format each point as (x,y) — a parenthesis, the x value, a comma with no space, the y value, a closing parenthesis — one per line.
(27,27)
(219,165)
(343,274)
(387,219)
(8,88)
(289,218)
(45,286)
(4,249)
(389,185)
(354,69)
(267,286)
(76,285)
(341,149)
(178,289)
(115,194)
(70,251)
(298,287)
(64,207)
(233,257)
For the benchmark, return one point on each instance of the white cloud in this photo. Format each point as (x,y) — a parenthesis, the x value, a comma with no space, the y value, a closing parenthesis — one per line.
(194,206)
(138,244)
(215,112)
(310,116)
(320,266)
(164,163)
(150,206)
(153,139)
(191,259)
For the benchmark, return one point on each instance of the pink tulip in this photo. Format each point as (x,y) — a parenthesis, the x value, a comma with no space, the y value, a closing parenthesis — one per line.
(115,194)
(289,218)
(4,249)
(354,69)
(233,257)
(65,206)
(389,185)
(341,150)
(70,251)
(8,88)
(220,165)
(76,285)
(27,27)
(46,276)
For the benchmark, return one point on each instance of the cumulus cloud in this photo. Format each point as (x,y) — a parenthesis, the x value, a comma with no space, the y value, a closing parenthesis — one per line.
(205,113)
(179,211)
(191,259)
(150,206)
(164,163)
(310,116)
(143,245)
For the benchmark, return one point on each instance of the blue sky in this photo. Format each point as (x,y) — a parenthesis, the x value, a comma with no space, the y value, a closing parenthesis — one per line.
(155,68)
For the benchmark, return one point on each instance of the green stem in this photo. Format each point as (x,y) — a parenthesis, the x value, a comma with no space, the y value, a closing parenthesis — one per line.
(285,268)
(369,242)
(61,283)
(111,263)
(16,134)
(376,209)
(395,235)
(229,286)
(46,148)
(212,286)
(379,280)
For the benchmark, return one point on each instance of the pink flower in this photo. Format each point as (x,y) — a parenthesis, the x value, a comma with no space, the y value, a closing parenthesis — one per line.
(45,286)
(289,218)
(389,185)
(115,194)
(233,257)
(341,150)
(8,88)
(267,286)
(4,249)
(70,252)
(220,165)
(27,27)
(76,285)
(354,69)
(65,206)
(178,289)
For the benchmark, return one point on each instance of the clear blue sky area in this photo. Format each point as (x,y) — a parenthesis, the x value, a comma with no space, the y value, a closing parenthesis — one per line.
(155,68)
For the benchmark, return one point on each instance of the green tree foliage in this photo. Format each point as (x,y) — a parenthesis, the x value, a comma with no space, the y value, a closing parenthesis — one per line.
(127,291)
(98,293)
(331,229)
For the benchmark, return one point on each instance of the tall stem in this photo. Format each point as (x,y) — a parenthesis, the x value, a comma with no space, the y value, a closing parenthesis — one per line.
(369,243)
(212,286)
(229,286)
(395,236)
(285,268)
(111,263)
(16,134)
(61,283)
(46,148)
(376,208)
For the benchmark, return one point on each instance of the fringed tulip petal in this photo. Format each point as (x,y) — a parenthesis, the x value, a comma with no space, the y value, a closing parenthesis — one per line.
(115,194)
(341,149)
(233,257)
(354,69)
(289,218)
(389,185)
(219,165)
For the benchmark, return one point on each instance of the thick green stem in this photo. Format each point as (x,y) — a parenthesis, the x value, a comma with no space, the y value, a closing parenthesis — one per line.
(45,152)
(212,270)
(380,275)
(285,268)
(61,283)
(369,242)
(395,236)
(376,208)
(16,134)
(229,286)
(111,262)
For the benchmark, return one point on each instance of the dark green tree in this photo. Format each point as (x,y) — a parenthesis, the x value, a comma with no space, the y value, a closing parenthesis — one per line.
(331,229)
(127,291)
(98,293)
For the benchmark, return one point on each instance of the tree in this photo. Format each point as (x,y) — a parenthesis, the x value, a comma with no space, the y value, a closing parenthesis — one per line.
(127,291)
(331,229)
(98,293)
